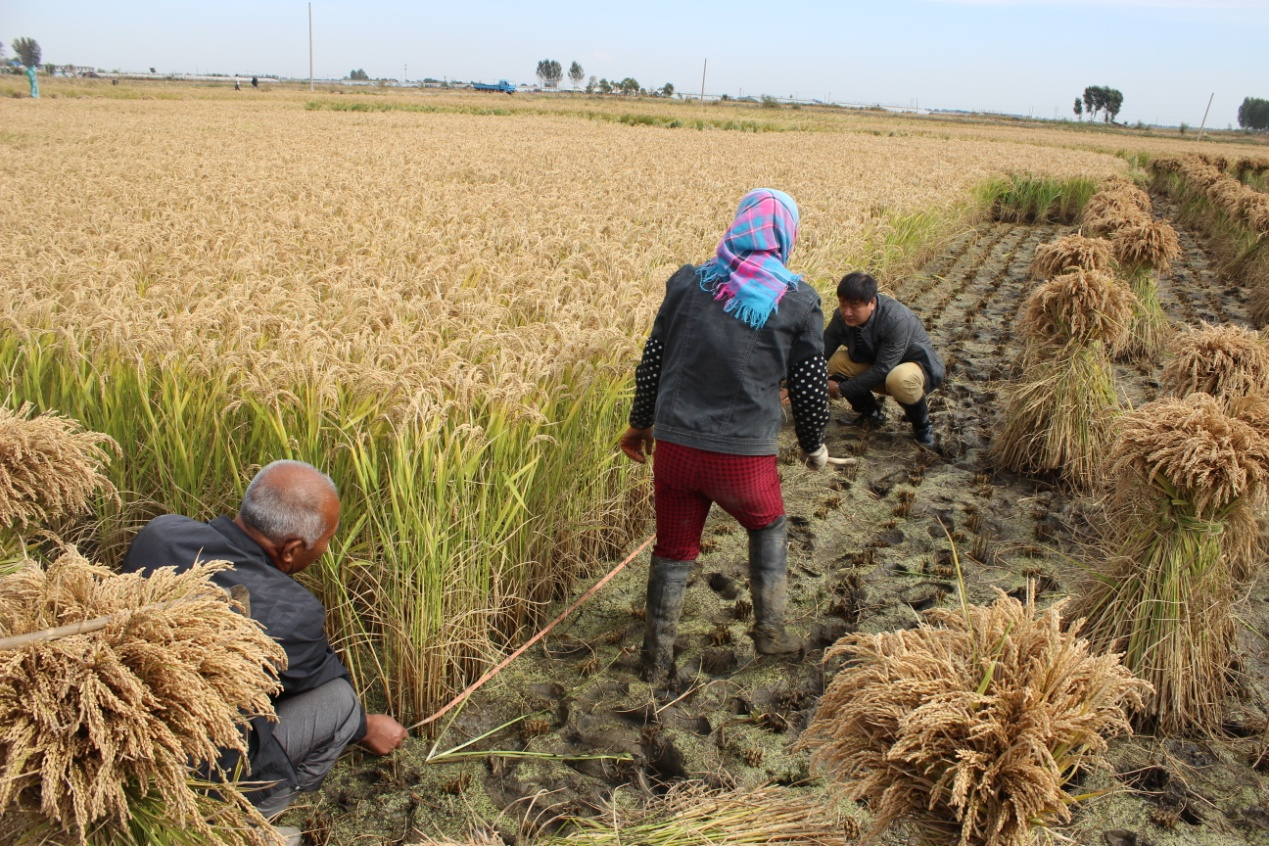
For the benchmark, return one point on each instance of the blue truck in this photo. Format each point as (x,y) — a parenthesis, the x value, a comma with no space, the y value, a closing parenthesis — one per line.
(502,85)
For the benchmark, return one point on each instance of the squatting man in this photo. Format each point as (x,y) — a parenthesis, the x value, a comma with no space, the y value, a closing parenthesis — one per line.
(876,345)
(289,513)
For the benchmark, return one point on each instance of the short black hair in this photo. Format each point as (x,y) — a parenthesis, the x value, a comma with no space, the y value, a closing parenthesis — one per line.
(857,287)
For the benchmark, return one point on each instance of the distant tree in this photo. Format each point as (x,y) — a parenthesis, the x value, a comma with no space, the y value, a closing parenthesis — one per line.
(666,90)
(1254,114)
(590,85)
(1079,109)
(28,51)
(576,74)
(605,87)
(1,51)
(359,75)
(50,68)
(550,72)
(629,85)
(1098,98)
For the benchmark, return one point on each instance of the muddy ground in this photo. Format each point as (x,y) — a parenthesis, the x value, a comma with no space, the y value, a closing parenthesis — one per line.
(868,553)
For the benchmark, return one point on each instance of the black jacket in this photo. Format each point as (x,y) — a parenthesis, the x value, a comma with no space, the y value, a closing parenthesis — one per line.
(715,380)
(288,612)
(893,335)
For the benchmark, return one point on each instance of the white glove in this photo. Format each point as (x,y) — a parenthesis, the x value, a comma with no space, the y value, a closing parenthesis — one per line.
(816,460)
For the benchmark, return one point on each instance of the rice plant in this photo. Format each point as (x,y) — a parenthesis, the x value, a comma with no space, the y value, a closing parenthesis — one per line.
(1226,361)
(1071,252)
(101,728)
(1031,198)
(966,729)
(1186,479)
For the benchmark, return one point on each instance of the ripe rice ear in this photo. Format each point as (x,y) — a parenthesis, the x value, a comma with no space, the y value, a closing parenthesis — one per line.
(1150,244)
(966,728)
(1180,533)
(97,722)
(1106,213)
(49,467)
(1071,252)
(1059,415)
(1123,188)
(1079,307)
(1226,361)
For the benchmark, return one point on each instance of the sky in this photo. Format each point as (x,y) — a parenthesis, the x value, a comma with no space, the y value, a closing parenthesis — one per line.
(1023,57)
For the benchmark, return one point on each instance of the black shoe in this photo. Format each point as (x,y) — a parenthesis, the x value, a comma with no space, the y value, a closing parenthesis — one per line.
(869,414)
(918,414)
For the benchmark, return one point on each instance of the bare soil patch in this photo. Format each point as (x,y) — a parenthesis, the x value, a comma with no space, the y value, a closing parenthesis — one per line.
(869,550)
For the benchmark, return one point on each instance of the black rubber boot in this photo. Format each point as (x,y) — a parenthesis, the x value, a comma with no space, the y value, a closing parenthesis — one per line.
(918,414)
(769,584)
(667,580)
(868,410)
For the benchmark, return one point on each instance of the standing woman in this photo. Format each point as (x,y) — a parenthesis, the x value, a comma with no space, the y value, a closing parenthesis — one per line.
(725,336)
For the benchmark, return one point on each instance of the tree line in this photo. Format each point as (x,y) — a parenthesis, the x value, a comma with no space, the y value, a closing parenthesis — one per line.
(1099,98)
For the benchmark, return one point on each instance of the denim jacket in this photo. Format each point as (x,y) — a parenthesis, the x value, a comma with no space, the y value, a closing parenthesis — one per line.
(719,379)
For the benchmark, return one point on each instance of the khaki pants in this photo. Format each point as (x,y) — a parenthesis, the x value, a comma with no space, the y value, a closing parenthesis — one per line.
(906,383)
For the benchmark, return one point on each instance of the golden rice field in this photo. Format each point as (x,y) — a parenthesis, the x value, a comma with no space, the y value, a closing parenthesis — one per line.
(442,308)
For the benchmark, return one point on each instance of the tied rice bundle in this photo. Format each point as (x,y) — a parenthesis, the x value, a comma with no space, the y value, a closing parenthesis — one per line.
(1079,307)
(1071,252)
(1225,361)
(100,728)
(1151,244)
(967,727)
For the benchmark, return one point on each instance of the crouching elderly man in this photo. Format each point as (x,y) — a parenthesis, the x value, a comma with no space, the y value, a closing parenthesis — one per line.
(876,345)
(288,516)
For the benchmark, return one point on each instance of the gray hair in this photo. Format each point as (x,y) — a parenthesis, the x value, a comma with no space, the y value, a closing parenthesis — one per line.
(281,512)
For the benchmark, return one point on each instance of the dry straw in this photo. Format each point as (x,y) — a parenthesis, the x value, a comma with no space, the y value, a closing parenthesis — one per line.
(1107,212)
(49,467)
(99,728)
(1150,244)
(691,814)
(968,727)
(1080,307)
(1179,535)
(1226,361)
(1071,252)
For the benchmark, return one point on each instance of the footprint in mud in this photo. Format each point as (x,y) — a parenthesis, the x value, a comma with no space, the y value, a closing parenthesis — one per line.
(926,595)
(725,586)
(800,535)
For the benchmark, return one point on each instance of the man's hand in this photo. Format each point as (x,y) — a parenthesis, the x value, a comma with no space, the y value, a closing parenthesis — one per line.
(816,460)
(383,734)
(637,443)
(834,389)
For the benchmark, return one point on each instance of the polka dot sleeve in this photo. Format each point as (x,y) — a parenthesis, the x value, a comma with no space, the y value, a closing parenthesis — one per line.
(808,395)
(647,380)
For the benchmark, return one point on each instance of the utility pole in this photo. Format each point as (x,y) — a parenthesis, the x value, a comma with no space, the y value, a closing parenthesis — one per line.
(1205,111)
(310,46)
(704,67)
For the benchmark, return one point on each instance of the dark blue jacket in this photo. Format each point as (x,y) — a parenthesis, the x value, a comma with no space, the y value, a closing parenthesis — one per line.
(893,335)
(719,382)
(288,612)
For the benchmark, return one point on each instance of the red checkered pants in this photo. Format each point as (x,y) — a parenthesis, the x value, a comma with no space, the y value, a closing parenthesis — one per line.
(688,480)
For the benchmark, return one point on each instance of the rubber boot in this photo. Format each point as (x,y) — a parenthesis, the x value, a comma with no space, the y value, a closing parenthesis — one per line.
(769,584)
(667,581)
(918,414)
(868,410)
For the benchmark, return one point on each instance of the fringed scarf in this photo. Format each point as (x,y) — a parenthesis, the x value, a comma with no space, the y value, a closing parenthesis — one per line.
(748,273)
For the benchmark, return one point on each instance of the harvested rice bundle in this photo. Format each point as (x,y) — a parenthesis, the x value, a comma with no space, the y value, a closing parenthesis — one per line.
(1071,252)
(1104,214)
(1059,417)
(1225,361)
(100,728)
(1080,307)
(1125,189)
(49,467)
(1179,534)
(1150,244)
(691,813)
(967,727)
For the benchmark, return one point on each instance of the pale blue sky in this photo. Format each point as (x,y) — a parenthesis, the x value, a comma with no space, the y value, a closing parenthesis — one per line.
(1013,56)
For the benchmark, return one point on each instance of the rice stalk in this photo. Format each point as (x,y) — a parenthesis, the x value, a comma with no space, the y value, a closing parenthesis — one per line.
(49,467)
(1180,536)
(1226,361)
(1059,415)
(1150,244)
(966,729)
(1079,307)
(95,722)
(1071,252)
(690,814)
(1149,330)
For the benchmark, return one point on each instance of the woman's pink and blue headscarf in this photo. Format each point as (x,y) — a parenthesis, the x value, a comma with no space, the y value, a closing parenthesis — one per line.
(748,273)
